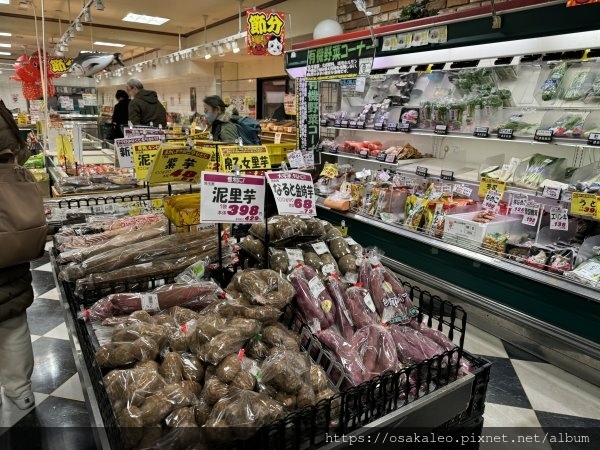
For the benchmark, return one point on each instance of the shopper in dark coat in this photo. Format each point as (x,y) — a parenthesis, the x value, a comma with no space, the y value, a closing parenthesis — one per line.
(218,117)
(120,115)
(16,294)
(144,107)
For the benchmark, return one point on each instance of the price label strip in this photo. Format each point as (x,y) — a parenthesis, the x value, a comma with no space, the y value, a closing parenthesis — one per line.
(531,215)
(228,198)
(594,139)
(506,133)
(559,219)
(441,129)
(481,132)
(447,175)
(294,192)
(462,190)
(543,136)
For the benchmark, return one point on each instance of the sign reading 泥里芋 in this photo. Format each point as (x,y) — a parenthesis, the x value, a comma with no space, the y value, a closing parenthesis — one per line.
(229,198)
(293,191)
(265,32)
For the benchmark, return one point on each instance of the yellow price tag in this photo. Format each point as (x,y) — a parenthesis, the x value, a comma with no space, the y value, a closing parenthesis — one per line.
(175,163)
(248,157)
(491,184)
(583,204)
(21,119)
(329,170)
(143,157)
(177,129)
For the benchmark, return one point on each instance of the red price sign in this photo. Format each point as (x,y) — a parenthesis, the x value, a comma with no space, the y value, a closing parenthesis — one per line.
(293,191)
(228,198)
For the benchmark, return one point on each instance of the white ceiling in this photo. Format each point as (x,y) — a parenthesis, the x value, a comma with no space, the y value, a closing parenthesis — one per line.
(186,19)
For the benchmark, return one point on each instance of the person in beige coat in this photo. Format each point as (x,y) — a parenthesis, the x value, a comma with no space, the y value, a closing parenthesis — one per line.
(16,292)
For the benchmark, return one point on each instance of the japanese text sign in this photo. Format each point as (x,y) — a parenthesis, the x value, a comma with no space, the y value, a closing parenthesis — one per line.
(130,132)
(491,184)
(531,214)
(143,157)
(339,61)
(293,191)
(559,219)
(248,157)
(307,116)
(123,148)
(59,65)
(492,200)
(228,198)
(176,163)
(584,204)
(265,32)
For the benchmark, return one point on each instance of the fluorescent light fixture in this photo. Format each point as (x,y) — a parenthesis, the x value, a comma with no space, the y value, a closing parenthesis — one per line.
(3,33)
(5,53)
(5,45)
(141,18)
(108,44)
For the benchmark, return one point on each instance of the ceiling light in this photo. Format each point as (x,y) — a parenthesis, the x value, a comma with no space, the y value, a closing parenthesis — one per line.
(24,4)
(72,32)
(221,50)
(58,53)
(63,47)
(141,18)
(4,2)
(3,33)
(207,54)
(5,53)
(87,14)
(99,5)
(5,45)
(78,25)
(109,44)
(177,57)
(234,47)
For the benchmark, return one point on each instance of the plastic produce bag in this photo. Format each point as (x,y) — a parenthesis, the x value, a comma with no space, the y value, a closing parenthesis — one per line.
(343,318)
(377,350)
(413,346)
(314,302)
(345,353)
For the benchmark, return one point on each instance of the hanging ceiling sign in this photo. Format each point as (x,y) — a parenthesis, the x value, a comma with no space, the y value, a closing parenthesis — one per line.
(265,32)
(339,61)
(581,2)
(59,65)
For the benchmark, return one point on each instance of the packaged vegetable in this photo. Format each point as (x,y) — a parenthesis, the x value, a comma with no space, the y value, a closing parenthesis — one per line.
(345,354)
(552,85)
(377,350)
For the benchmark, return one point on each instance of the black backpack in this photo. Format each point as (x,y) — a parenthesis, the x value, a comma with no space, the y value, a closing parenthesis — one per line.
(248,129)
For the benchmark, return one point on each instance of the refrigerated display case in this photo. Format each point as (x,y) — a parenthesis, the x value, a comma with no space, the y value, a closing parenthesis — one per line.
(514,110)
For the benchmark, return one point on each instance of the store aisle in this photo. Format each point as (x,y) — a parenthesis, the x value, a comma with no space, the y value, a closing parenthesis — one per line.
(524,391)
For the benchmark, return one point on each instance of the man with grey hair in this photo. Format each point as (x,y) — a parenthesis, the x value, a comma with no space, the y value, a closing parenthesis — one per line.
(144,107)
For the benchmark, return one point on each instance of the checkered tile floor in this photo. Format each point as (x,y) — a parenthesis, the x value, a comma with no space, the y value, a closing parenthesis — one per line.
(524,391)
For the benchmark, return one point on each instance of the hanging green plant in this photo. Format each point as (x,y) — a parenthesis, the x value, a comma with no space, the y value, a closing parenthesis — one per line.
(417,10)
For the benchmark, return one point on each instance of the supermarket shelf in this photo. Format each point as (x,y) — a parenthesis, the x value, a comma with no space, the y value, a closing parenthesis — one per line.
(495,261)
(571,142)
(358,158)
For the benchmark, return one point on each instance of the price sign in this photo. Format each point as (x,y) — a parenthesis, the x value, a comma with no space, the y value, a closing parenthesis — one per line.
(296,159)
(594,139)
(177,129)
(293,191)
(333,150)
(360,124)
(559,219)
(228,198)
(421,171)
(344,123)
(124,151)
(337,123)
(543,135)
(378,126)
(492,200)
(447,175)
(177,163)
(551,192)
(329,170)
(392,126)
(518,203)
(320,248)
(481,132)
(309,158)
(364,154)
(323,122)
(491,184)
(381,157)
(383,176)
(583,204)
(460,228)
(248,157)
(148,131)
(462,190)
(404,127)
(506,133)
(441,129)
(143,157)
(390,158)
(531,215)
(352,124)
(446,188)
(277,137)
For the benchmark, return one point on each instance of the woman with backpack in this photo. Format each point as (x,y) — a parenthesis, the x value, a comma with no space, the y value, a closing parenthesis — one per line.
(218,117)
